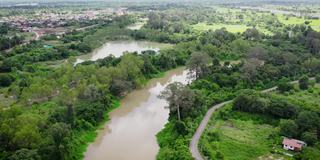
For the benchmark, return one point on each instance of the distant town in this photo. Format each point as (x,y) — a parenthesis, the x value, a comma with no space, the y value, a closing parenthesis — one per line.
(44,22)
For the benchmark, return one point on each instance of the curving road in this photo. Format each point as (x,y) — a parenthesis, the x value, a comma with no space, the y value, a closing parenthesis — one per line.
(195,139)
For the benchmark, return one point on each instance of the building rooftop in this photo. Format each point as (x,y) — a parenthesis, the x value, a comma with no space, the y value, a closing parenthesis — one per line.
(293,142)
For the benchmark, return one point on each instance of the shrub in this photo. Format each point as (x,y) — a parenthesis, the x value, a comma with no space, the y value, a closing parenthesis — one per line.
(90,111)
(284,86)
(5,79)
(309,137)
(308,120)
(214,136)
(219,156)
(304,83)
(288,128)
(181,127)
(318,78)
(25,154)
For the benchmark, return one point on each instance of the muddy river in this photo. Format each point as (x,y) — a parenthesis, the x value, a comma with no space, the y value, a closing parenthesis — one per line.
(131,132)
(117,48)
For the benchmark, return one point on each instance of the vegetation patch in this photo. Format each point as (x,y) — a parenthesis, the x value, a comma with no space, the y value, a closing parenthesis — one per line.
(237,139)
(291,20)
(229,27)
(81,139)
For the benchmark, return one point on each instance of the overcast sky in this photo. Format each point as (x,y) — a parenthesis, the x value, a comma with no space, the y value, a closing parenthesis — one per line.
(46,1)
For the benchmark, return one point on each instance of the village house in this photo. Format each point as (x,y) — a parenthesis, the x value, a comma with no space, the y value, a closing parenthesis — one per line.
(293,144)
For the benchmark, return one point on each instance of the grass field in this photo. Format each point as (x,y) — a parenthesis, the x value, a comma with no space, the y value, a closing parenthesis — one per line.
(242,137)
(239,139)
(314,23)
(229,27)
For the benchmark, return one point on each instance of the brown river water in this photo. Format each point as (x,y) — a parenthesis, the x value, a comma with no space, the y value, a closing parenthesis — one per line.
(117,48)
(130,134)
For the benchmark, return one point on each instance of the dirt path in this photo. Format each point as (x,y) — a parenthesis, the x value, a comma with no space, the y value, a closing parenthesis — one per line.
(196,137)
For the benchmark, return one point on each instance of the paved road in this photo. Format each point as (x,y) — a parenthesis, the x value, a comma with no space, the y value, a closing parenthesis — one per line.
(195,139)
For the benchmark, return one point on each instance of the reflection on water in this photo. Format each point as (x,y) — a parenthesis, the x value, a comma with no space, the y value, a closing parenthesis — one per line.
(117,48)
(131,132)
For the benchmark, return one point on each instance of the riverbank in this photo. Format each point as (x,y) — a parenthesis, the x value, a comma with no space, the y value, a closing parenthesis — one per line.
(81,139)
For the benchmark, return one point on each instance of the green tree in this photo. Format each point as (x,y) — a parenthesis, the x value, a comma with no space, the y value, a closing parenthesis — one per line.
(257,53)
(318,78)
(252,34)
(198,64)
(25,154)
(28,136)
(250,69)
(70,118)
(304,83)
(120,87)
(130,68)
(289,128)
(309,137)
(5,79)
(308,153)
(179,97)
(60,133)
(308,120)
(284,86)
(90,111)
(312,65)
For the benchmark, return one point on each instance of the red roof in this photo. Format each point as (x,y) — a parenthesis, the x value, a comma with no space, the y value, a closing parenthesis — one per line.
(293,142)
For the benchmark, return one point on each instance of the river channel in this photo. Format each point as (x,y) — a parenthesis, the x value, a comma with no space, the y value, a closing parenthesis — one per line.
(130,134)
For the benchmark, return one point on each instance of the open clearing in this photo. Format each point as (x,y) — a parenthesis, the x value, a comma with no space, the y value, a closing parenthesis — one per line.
(233,28)
(229,27)
(238,139)
(314,23)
